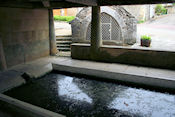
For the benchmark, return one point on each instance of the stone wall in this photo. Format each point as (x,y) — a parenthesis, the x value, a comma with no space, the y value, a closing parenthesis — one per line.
(24,34)
(127,25)
(141,12)
(170,9)
(139,57)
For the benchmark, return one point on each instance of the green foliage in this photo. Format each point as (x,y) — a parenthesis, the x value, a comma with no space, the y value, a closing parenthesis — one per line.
(160,9)
(164,11)
(64,18)
(140,21)
(145,37)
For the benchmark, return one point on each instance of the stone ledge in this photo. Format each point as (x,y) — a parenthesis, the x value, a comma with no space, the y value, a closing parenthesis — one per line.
(13,77)
(139,75)
(24,108)
(125,55)
(122,47)
(10,79)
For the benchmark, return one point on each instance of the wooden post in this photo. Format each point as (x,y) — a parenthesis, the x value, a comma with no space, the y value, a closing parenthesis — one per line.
(3,65)
(53,48)
(96,40)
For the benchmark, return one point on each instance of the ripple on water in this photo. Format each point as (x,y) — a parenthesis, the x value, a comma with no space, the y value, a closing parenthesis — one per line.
(82,97)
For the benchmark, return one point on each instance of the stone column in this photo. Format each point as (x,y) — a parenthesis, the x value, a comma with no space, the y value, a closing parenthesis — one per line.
(52,39)
(3,65)
(96,40)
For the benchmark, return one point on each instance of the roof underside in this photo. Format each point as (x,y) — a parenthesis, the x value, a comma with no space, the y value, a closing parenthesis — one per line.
(74,3)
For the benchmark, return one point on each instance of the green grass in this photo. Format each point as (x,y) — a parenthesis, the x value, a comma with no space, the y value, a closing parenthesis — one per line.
(140,21)
(145,37)
(64,18)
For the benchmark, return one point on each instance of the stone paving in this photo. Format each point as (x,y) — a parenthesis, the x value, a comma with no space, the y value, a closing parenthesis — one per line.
(162,32)
(62,28)
(64,54)
(119,72)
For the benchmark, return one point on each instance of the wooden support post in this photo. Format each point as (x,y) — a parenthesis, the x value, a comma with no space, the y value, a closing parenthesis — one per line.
(53,48)
(96,40)
(3,65)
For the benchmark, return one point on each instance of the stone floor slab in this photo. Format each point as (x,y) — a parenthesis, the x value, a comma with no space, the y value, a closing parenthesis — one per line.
(10,79)
(127,73)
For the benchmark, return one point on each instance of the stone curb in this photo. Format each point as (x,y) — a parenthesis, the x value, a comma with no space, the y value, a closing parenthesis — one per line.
(24,107)
(118,76)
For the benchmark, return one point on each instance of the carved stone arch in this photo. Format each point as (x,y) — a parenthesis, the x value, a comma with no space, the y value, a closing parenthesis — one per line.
(111,29)
(126,24)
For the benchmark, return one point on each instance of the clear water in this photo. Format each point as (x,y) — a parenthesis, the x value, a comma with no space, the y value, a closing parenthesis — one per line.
(80,97)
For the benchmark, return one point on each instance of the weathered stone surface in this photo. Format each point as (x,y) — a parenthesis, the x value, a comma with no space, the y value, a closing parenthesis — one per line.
(3,65)
(126,22)
(141,57)
(52,39)
(36,68)
(25,34)
(17,108)
(10,79)
(120,72)
(19,74)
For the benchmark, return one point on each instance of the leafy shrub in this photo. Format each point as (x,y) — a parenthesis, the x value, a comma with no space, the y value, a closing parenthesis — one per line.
(164,11)
(64,18)
(145,37)
(160,9)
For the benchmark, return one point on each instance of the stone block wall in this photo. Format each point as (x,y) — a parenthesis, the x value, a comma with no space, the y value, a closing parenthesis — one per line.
(141,12)
(124,55)
(24,34)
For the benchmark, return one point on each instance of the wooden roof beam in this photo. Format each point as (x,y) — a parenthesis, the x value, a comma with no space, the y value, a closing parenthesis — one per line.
(84,2)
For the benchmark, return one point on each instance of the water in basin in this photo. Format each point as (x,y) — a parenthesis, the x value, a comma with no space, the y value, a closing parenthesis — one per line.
(80,97)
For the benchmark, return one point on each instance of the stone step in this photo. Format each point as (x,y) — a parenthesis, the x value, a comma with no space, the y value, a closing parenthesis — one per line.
(64,49)
(63,38)
(60,36)
(63,45)
(63,42)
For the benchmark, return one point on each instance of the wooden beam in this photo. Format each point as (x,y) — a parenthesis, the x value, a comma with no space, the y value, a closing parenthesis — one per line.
(132,2)
(46,4)
(56,5)
(84,2)
(16,4)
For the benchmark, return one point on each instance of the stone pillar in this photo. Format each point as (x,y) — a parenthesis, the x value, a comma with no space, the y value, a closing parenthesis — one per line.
(3,65)
(96,40)
(53,48)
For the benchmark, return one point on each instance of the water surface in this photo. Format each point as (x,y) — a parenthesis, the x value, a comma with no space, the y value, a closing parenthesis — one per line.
(80,97)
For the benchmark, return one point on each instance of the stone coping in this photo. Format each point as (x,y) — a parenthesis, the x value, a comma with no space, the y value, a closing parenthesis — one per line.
(24,108)
(114,71)
(122,47)
(118,72)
